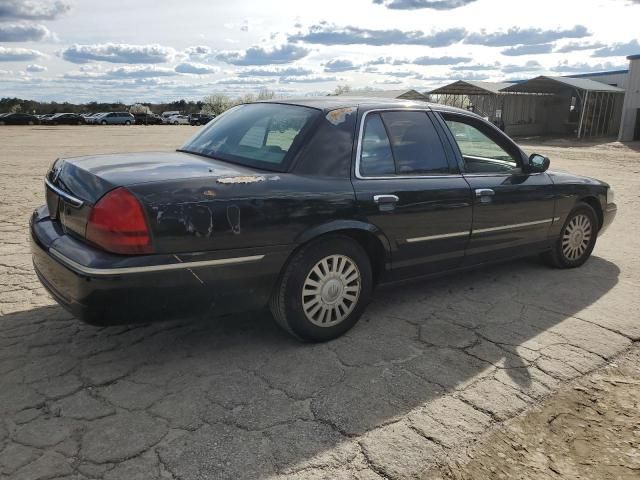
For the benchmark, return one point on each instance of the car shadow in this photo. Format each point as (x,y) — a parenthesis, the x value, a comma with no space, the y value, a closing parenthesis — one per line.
(280,404)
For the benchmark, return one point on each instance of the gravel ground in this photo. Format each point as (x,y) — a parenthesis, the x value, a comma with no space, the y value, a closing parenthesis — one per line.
(432,367)
(590,430)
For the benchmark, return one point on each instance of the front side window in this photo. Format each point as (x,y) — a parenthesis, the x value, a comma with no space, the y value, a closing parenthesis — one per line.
(480,152)
(262,135)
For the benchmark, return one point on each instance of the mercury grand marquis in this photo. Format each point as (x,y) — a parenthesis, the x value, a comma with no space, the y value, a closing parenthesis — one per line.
(303,206)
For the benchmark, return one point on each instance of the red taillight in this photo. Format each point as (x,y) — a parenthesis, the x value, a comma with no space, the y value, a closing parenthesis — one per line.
(117,224)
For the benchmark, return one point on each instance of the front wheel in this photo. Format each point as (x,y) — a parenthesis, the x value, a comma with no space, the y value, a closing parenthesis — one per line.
(103,122)
(324,289)
(127,122)
(577,238)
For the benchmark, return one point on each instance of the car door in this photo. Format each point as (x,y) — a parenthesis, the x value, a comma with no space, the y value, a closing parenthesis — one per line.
(408,185)
(511,208)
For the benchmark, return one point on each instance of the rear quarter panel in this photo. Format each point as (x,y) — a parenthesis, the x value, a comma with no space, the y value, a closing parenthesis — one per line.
(262,210)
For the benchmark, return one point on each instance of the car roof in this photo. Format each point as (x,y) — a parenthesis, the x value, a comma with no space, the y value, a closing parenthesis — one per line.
(333,102)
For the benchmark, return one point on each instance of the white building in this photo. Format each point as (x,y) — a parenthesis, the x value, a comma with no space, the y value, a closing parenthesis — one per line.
(630,122)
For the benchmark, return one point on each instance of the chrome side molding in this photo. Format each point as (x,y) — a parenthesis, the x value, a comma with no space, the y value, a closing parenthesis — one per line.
(73,201)
(102,272)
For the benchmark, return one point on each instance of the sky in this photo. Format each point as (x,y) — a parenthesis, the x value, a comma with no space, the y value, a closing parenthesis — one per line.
(161,50)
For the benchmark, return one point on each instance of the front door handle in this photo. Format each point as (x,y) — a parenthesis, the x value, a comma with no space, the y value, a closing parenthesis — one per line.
(385,199)
(484,192)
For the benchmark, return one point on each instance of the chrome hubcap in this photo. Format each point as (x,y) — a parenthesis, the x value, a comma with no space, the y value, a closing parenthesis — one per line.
(576,237)
(331,290)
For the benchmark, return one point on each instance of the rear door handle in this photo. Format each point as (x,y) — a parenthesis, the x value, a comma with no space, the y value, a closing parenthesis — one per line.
(385,199)
(484,192)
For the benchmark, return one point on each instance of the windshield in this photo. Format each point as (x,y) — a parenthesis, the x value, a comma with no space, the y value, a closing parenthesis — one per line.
(262,135)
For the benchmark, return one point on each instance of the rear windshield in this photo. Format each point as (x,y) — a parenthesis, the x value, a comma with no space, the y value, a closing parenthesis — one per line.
(262,135)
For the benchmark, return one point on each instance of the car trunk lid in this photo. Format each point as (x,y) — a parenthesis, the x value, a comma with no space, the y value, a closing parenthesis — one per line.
(74,185)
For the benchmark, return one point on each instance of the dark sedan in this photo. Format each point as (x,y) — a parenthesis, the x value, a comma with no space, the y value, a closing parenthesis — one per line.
(19,119)
(305,206)
(64,119)
(147,119)
(197,119)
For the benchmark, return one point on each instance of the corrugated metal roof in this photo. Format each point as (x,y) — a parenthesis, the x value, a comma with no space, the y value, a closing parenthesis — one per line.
(471,87)
(545,84)
(598,74)
(402,94)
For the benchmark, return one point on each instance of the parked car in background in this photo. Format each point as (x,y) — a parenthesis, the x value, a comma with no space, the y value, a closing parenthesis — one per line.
(19,119)
(198,119)
(115,118)
(91,118)
(170,113)
(64,119)
(178,120)
(304,205)
(147,119)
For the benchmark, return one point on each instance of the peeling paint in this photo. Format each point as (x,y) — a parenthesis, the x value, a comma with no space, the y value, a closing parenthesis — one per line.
(241,179)
(209,193)
(233,217)
(339,115)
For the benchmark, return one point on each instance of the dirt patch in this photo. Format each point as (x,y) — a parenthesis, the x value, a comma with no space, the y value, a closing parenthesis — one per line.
(590,430)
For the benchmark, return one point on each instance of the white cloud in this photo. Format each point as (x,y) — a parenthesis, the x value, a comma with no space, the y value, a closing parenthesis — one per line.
(18,54)
(19,32)
(262,56)
(35,68)
(118,53)
(32,9)
(128,72)
(198,52)
(195,68)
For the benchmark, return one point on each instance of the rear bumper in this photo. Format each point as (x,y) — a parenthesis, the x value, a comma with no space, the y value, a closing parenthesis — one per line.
(107,289)
(607,216)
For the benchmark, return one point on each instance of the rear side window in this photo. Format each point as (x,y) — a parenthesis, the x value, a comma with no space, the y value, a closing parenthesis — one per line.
(401,143)
(376,157)
(417,149)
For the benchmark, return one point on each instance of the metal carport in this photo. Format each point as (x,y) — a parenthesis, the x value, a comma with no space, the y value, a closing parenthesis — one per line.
(594,107)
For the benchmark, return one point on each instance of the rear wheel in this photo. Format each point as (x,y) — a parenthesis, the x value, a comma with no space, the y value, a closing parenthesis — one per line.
(30,122)
(577,238)
(324,289)
(103,122)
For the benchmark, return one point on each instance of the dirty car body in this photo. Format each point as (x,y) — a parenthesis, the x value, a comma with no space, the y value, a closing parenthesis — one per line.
(230,213)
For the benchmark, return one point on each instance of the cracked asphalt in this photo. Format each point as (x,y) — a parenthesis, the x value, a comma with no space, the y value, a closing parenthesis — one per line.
(431,367)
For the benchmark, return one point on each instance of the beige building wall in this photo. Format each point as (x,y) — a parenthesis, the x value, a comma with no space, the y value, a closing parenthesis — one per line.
(631,103)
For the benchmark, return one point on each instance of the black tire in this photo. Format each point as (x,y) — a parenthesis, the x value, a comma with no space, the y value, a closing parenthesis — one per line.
(103,122)
(127,122)
(31,122)
(287,300)
(557,256)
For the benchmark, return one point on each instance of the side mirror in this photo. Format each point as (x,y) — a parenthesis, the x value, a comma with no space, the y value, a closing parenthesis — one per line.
(538,163)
